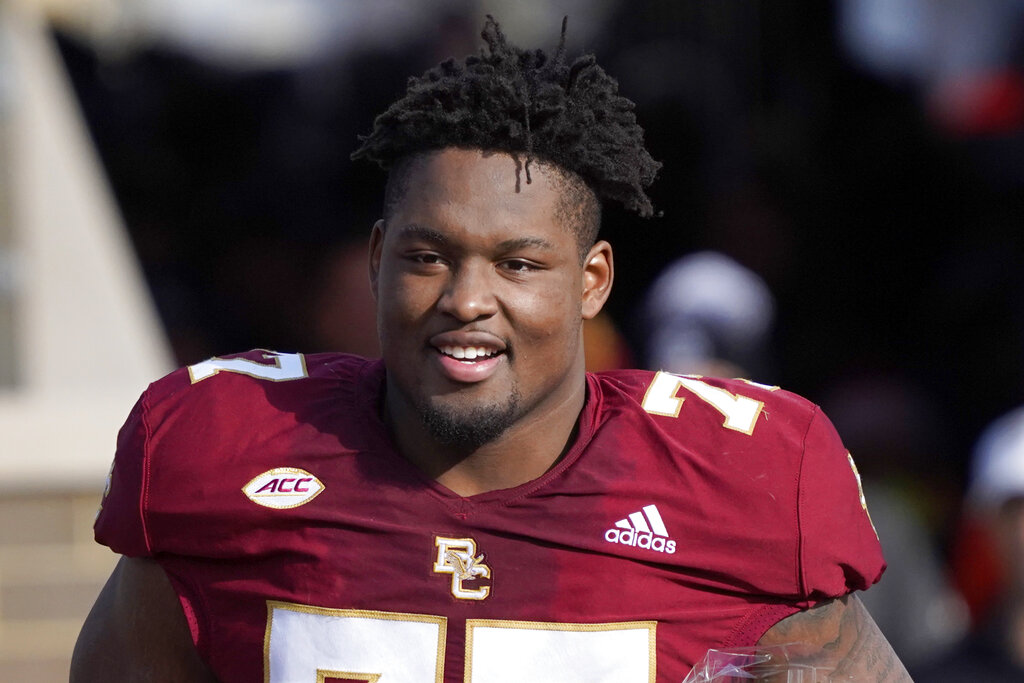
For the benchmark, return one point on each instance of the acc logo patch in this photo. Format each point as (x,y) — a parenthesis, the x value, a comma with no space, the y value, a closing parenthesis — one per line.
(283,487)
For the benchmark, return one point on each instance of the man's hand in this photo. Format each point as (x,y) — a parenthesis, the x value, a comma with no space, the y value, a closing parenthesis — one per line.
(136,632)
(841,635)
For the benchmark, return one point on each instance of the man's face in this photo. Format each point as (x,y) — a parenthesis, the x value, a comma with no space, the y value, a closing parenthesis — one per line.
(481,296)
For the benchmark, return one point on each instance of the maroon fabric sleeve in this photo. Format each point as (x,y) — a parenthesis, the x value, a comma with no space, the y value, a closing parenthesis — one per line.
(839,549)
(121,522)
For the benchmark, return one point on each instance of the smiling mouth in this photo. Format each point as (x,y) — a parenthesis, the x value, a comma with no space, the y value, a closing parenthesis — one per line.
(469,354)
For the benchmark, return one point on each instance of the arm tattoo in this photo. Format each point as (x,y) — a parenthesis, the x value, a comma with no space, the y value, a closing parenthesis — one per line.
(840,634)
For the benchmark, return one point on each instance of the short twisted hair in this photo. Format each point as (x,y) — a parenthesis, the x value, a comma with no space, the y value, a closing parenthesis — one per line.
(524,102)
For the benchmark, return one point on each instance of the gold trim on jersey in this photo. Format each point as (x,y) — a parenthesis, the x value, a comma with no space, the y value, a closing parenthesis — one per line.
(766,387)
(322,676)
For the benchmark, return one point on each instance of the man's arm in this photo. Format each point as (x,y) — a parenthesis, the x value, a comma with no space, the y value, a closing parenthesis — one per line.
(842,635)
(136,632)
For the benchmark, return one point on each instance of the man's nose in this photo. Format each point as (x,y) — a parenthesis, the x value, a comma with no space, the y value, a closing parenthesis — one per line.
(470,293)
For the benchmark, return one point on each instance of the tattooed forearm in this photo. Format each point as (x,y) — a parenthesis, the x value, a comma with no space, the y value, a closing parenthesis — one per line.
(840,635)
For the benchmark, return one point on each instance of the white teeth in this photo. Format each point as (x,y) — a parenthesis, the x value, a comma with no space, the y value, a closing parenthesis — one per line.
(467,352)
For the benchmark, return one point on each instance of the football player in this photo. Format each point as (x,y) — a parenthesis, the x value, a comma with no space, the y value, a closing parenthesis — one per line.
(475,506)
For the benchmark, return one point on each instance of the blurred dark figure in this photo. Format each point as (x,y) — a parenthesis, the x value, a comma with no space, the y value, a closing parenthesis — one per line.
(994,651)
(896,434)
(706,314)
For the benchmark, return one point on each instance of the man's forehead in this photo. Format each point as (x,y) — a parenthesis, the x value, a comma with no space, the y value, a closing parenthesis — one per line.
(465,177)
(517,169)
(461,176)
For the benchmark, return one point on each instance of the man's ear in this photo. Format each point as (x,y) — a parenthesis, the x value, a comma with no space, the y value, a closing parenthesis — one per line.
(376,245)
(598,273)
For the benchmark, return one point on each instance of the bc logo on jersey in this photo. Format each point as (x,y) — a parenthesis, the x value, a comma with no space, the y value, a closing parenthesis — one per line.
(458,557)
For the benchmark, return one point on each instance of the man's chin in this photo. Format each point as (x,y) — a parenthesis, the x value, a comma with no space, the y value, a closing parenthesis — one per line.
(468,428)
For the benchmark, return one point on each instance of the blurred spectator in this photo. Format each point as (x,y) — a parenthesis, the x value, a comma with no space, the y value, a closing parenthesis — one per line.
(994,651)
(706,314)
(914,605)
(894,431)
(929,41)
(964,54)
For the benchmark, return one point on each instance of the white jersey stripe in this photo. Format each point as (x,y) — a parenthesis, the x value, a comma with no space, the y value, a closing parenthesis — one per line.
(657,524)
(639,523)
(623,524)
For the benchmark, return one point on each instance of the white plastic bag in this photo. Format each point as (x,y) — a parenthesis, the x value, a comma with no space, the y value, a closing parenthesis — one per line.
(777,664)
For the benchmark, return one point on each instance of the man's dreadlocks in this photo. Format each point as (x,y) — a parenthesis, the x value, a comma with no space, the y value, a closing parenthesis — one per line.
(520,101)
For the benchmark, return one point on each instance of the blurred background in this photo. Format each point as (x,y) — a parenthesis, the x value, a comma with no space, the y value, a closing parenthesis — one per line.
(841,201)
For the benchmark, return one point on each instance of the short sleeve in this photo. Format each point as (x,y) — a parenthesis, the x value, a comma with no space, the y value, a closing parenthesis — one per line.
(839,548)
(121,524)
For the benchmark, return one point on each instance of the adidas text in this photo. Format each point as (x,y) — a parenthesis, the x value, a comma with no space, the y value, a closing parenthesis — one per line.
(642,529)
(640,539)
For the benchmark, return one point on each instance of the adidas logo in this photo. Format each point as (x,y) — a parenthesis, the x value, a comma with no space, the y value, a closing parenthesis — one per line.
(644,529)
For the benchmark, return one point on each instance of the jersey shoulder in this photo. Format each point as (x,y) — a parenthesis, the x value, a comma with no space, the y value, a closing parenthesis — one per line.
(760,468)
(223,402)
(719,408)
(227,419)
(245,375)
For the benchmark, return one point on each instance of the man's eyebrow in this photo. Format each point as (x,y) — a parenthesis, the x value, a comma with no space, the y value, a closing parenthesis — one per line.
(526,243)
(413,231)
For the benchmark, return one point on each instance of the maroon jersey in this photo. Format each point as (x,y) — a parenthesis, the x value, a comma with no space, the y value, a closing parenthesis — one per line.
(688,514)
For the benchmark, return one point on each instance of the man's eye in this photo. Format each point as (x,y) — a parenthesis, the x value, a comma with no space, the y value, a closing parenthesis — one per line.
(519,266)
(427,258)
